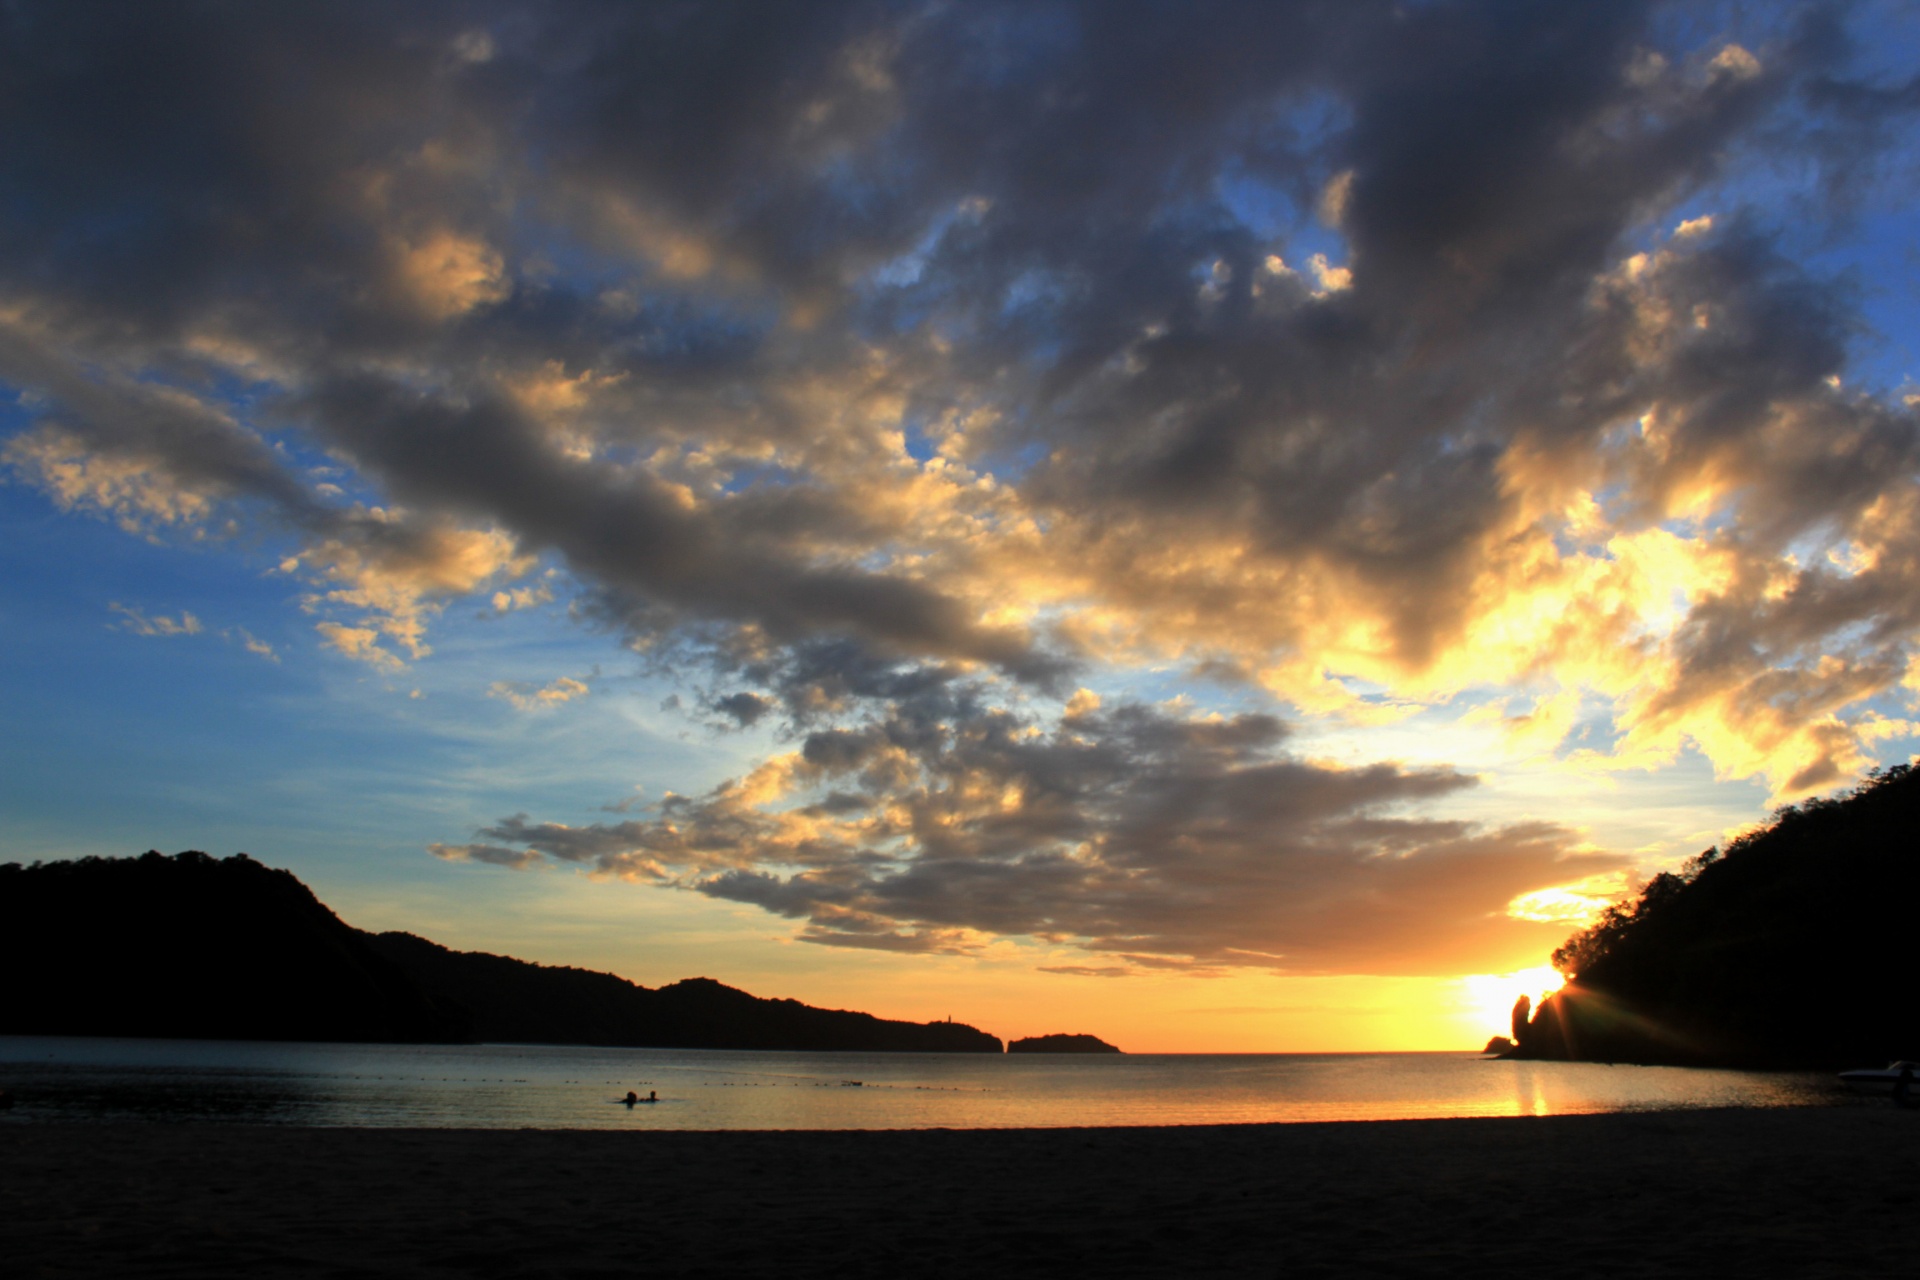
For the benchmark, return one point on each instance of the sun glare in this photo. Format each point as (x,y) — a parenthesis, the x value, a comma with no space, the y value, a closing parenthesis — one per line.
(1490,996)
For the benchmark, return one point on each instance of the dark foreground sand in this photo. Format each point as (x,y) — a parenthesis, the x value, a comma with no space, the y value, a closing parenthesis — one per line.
(1706,1193)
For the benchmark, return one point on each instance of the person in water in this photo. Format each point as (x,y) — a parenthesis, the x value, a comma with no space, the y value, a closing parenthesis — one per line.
(1903,1089)
(633,1097)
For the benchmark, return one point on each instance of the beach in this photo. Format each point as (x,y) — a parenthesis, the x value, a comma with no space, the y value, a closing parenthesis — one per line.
(1804,1191)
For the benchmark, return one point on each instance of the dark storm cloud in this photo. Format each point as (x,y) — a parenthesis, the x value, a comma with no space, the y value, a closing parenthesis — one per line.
(635,536)
(760,157)
(843,352)
(743,708)
(1139,832)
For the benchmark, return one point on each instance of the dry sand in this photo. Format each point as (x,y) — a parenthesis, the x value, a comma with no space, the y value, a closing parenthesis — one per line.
(1705,1193)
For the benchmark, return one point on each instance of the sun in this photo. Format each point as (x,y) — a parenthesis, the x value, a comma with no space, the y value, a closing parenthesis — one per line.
(1489,997)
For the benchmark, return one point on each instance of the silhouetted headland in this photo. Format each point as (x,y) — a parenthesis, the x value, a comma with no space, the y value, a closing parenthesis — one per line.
(1060,1044)
(517,1001)
(1792,948)
(197,947)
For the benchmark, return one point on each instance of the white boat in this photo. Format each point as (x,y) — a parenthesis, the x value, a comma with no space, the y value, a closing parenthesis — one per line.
(1882,1079)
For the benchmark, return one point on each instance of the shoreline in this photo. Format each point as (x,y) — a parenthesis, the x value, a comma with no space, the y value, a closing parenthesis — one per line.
(1781,1190)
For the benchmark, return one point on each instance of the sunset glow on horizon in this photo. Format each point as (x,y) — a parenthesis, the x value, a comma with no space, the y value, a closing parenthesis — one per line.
(1228,528)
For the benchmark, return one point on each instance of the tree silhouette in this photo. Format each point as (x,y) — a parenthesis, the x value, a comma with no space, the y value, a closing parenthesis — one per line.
(1788,948)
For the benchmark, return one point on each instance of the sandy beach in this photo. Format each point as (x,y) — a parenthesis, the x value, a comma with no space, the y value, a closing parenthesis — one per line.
(1783,1192)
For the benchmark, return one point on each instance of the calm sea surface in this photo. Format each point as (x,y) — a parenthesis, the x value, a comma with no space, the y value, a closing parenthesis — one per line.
(566,1087)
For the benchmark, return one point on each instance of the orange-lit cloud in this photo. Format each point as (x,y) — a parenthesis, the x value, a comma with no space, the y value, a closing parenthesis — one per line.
(886,388)
(526,697)
(1141,834)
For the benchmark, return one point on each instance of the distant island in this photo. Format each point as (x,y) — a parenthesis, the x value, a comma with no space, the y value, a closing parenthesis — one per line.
(1060,1044)
(1792,948)
(192,946)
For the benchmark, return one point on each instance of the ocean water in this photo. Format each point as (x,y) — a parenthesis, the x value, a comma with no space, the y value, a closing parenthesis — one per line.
(572,1087)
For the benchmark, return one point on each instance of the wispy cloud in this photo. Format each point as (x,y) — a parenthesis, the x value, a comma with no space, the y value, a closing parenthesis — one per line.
(252,644)
(138,623)
(528,697)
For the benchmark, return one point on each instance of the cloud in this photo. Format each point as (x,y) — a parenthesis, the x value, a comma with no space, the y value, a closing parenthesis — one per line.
(252,644)
(393,572)
(527,697)
(359,643)
(122,488)
(743,708)
(826,352)
(492,855)
(1139,832)
(447,274)
(522,598)
(138,623)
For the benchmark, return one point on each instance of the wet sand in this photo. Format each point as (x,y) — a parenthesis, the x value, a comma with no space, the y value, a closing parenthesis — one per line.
(1830,1191)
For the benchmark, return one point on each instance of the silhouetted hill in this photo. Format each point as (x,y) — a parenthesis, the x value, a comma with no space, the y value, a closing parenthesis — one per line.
(1793,948)
(195,947)
(517,1001)
(1060,1044)
(192,946)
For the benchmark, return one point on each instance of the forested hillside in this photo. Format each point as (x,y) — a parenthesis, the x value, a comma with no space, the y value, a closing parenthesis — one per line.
(1794,946)
(198,947)
(517,1001)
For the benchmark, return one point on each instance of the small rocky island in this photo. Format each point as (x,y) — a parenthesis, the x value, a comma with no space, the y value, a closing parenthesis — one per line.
(1061,1044)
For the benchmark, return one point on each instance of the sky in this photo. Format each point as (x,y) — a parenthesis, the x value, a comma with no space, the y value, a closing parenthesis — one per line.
(1223,526)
